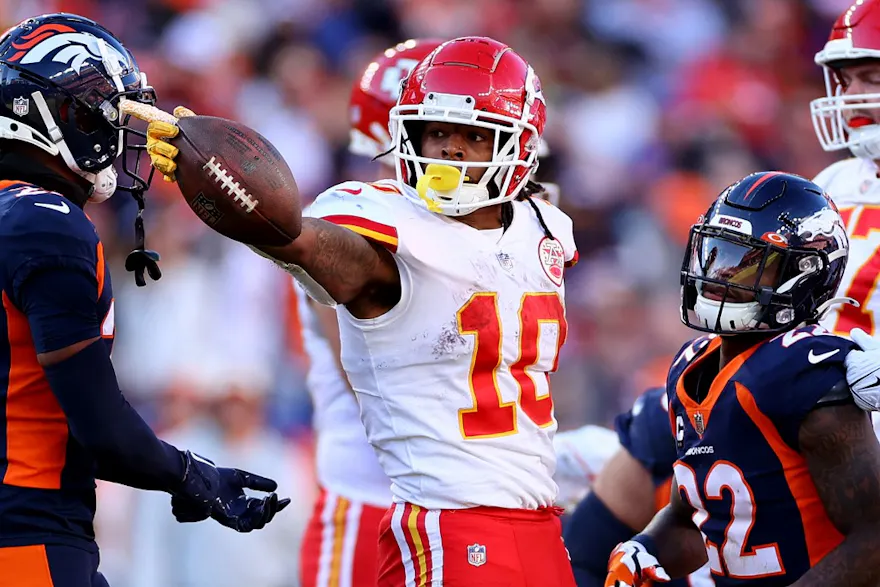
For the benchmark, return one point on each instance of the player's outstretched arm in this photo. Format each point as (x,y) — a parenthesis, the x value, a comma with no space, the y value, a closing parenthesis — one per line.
(354,271)
(60,308)
(843,457)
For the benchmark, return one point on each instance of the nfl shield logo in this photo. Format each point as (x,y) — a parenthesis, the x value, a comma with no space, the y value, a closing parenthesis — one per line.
(505,260)
(477,555)
(699,423)
(21,106)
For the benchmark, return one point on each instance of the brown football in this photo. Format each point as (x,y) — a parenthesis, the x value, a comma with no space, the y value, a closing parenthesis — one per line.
(236,181)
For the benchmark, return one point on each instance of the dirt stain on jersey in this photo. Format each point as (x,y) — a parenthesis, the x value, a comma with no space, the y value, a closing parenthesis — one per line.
(450,341)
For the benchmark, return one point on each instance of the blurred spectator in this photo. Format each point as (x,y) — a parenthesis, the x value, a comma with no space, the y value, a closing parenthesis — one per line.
(206,554)
(654,107)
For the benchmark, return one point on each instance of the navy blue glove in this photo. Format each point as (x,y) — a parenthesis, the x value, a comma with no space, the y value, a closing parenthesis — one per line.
(209,491)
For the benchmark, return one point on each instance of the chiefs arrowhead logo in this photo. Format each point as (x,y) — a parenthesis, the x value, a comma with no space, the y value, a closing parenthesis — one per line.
(552,257)
(63,44)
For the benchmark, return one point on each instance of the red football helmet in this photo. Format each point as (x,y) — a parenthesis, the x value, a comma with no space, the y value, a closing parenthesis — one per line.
(855,36)
(481,82)
(375,93)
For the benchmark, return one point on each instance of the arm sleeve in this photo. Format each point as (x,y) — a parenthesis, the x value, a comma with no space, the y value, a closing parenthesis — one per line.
(60,305)
(645,433)
(61,310)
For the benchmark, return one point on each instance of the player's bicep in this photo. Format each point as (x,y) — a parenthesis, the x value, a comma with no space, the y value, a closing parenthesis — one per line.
(60,306)
(349,266)
(843,458)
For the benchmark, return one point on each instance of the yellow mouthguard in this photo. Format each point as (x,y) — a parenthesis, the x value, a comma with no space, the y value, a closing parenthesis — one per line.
(440,178)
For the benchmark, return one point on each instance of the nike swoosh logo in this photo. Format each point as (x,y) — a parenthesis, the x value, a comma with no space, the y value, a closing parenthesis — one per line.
(62,207)
(814,358)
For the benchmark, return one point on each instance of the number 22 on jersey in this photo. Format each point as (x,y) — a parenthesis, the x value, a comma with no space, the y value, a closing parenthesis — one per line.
(479,317)
(738,561)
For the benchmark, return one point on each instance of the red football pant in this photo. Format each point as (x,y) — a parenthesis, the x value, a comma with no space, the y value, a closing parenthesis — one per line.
(339,548)
(479,546)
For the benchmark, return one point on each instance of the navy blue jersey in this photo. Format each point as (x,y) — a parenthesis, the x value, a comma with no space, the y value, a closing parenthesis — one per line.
(47,483)
(738,460)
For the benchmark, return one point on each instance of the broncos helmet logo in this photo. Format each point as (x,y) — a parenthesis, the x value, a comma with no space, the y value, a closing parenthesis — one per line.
(65,45)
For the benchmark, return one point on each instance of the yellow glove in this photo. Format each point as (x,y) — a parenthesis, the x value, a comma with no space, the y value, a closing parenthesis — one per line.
(162,126)
(162,153)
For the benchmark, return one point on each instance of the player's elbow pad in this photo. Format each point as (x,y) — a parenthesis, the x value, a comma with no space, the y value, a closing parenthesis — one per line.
(105,424)
(591,534)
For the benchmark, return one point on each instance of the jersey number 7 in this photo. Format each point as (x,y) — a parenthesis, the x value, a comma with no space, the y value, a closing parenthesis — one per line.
(490,416)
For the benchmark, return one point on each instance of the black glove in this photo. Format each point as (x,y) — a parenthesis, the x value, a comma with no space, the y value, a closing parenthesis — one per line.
(209,491)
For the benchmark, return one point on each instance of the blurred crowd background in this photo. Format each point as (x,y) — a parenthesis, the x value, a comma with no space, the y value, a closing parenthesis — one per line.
(654,107)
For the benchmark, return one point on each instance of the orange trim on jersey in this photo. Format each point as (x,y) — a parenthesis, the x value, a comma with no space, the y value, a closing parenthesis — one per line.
(375,231)
(36,429)
(8,183)
(573,261)
(99,269)
(340,516)
(26,566)
(819,533)
(718,384)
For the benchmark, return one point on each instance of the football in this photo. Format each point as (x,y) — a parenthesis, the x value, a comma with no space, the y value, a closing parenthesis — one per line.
(236,181)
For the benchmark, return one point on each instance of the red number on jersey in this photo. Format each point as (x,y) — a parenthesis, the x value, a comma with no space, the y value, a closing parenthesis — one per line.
(490,416)
(860,222)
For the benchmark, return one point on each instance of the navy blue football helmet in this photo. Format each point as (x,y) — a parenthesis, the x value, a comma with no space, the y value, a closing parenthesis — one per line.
(768,256)
(62,78)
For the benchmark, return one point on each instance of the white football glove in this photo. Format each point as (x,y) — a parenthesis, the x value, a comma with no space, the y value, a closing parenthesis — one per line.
(863,370)
(631,565)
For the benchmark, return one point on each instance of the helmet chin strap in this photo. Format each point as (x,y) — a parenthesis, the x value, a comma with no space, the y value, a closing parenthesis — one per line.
(103,183)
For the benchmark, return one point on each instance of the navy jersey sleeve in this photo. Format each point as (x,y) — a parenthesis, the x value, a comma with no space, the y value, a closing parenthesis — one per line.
(61,308)
(44,231)
(645,432)
(795,371)
(49,244)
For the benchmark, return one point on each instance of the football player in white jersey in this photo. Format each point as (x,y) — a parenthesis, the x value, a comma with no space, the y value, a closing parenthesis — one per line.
(848,117)
(340,544)
(354,491)
(451,317)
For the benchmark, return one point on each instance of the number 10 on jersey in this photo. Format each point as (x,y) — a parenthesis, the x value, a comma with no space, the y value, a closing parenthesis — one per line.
(479,317)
